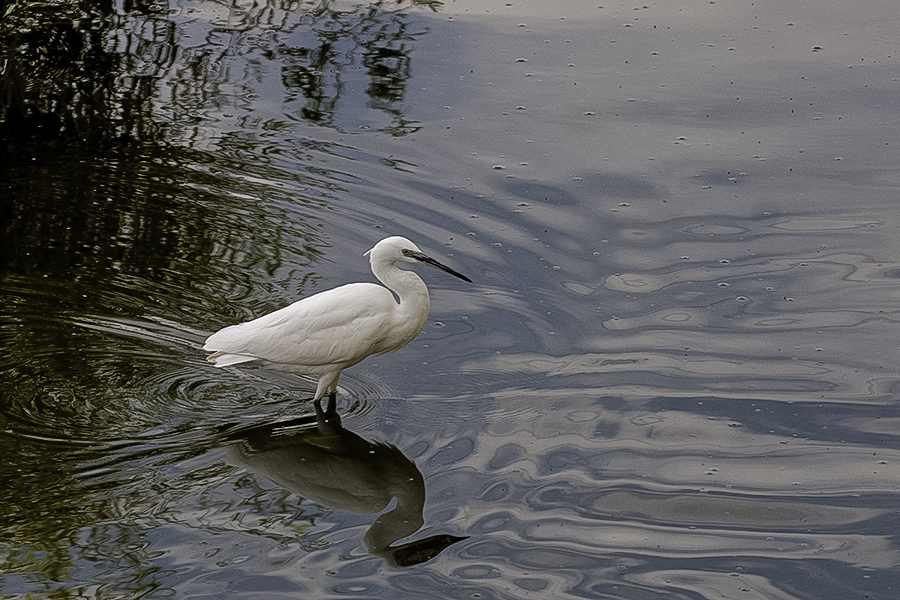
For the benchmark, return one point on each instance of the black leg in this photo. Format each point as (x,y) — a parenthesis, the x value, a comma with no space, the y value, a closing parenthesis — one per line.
(329,416)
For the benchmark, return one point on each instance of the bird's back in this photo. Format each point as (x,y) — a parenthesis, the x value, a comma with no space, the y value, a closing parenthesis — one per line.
(334,328)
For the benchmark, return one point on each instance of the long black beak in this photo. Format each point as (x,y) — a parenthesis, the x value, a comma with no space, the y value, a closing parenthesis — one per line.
(425,259)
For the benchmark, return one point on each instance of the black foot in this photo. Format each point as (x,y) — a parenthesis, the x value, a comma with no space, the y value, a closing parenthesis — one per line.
(329,415)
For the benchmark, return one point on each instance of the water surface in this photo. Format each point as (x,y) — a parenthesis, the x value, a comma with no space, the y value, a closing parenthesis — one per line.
(673,377)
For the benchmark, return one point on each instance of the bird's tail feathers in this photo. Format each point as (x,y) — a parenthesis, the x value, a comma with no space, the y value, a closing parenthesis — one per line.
(223,359)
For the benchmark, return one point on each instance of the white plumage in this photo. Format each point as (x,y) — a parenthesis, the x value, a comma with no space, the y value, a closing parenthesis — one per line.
(332,330)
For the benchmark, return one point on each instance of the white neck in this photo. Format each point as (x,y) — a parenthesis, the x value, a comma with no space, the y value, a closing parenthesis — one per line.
(408,286)
(412,311)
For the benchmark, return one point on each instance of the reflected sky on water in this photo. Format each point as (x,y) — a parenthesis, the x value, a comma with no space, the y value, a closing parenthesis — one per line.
(674,376)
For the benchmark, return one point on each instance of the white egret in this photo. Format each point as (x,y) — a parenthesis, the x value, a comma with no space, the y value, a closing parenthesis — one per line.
(332,330)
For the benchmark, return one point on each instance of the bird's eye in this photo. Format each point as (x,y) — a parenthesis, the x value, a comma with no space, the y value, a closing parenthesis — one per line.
(406,251)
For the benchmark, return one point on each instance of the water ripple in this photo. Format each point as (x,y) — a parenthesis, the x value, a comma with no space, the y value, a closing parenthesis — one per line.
(157,388)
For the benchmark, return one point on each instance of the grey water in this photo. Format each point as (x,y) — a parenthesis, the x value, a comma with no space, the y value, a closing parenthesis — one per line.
(675,375)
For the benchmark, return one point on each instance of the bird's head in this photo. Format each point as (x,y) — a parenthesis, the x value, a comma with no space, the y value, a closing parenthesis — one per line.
(399,249)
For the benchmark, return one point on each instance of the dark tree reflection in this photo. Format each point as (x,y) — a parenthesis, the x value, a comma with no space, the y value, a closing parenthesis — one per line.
(127,131)
(102,73)
(158,164)
(316,68)
(110,115)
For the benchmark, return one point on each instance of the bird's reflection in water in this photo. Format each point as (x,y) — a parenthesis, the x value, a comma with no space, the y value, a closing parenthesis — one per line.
(320,460)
